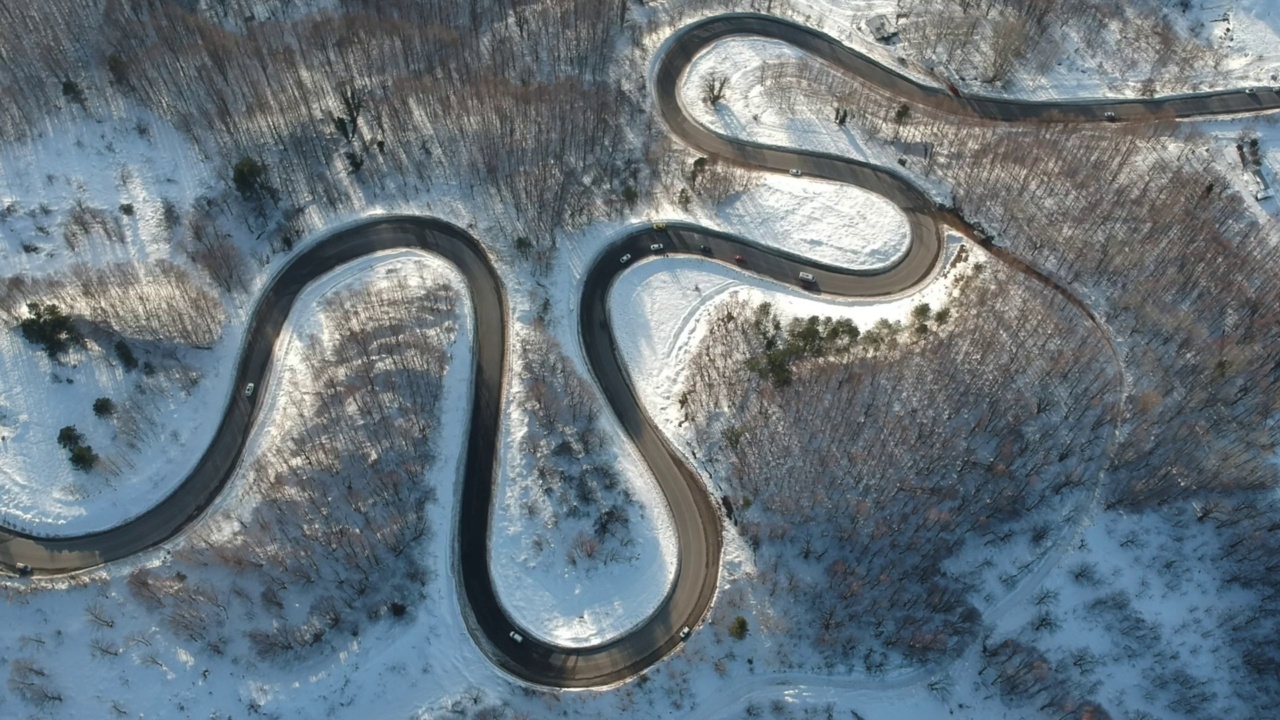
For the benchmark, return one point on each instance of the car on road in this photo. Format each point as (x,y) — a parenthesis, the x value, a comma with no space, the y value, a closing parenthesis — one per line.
(807,278)
(951,88)
(248,390)
(1110,116)
(739,259)
(656,247)
(684,632)
(1251,91)
(516,636)
(625,259)
(706,249)
(659,226)
(795,172)
(23,569)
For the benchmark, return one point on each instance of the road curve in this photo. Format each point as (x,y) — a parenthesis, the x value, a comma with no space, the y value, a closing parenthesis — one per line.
(695,517)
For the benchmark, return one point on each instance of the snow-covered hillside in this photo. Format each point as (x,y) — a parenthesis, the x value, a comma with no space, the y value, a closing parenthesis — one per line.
(1139,610)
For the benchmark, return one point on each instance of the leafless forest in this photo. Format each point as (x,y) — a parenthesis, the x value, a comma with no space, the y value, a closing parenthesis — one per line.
(861,471)
(342,500)
(1187,278)
(367,101)
(162,302)
(577,489)
(989,40)
(1139,220)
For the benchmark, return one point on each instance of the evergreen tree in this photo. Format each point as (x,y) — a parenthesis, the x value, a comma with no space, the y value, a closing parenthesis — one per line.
(69,437)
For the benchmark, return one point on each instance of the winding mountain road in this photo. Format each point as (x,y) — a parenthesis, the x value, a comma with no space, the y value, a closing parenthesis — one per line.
(696,520)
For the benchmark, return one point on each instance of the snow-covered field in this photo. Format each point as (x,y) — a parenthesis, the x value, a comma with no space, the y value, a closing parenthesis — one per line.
(829,222)
(40,492)
(745,112)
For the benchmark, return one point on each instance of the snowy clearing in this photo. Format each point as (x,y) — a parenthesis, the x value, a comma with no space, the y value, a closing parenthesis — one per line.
(40,491)
(827,222)
(657,312)
(749,112)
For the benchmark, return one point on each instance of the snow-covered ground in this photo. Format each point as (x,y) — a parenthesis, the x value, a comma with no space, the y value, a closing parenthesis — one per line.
(747,112)
(1252,34)
(1245,32)
(40,492)
(575,602)
(105,164)
(306,323)
(1236,164)
(744,111)
(829,222)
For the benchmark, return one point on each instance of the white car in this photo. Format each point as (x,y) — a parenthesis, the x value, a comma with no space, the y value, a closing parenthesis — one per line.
(248,390)
(656,247)
(795,172)
(516,636)
(806,277)
(684,632)
(625,259)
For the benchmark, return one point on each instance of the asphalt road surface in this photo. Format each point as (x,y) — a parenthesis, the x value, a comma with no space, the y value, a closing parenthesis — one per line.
(696,520)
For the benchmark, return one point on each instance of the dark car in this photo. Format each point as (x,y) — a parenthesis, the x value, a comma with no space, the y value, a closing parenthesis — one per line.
(706,249)
(739,259)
